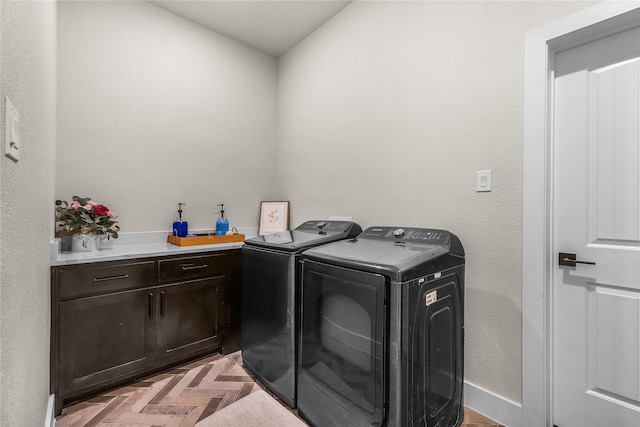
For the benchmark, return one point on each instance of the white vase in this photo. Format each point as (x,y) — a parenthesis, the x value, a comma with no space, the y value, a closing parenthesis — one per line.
(85,242)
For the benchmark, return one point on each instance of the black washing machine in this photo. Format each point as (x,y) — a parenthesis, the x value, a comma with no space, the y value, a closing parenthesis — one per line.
(382,330)
(270,300)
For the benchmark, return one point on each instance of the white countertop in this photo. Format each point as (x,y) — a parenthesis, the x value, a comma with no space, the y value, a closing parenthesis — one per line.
(140,245)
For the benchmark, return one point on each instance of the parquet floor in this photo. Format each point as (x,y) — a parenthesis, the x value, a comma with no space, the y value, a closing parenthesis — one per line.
(182,397)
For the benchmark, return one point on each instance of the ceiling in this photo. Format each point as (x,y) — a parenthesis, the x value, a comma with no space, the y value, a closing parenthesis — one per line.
(271,26)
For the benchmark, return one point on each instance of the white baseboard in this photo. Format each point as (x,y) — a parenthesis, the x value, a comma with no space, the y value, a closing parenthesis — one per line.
(50,416)
(493,406)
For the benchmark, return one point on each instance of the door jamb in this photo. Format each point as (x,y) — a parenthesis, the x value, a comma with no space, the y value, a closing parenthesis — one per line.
(541,44)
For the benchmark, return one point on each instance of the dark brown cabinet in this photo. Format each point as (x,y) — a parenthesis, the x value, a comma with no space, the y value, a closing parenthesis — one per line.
(116,321)
(104,337)
(189,319)
(231,340)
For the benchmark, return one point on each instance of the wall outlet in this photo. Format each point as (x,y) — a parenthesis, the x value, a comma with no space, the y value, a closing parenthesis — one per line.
(12,137)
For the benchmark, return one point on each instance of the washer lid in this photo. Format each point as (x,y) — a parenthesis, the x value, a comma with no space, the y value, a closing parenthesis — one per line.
(306,235)
(395,249)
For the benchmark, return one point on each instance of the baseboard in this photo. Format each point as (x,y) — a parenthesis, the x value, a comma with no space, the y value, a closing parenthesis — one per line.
(50,416)
(493,406)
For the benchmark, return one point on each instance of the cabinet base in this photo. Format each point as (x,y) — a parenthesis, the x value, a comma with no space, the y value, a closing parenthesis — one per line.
(64,401)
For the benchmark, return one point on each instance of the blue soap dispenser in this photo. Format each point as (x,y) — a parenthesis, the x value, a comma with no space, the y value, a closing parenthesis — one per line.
(222,225)
(180,227)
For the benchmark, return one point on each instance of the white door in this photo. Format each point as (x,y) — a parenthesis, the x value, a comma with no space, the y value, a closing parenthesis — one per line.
(596,206)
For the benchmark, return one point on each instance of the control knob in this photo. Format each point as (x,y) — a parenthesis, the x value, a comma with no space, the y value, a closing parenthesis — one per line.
(398,233)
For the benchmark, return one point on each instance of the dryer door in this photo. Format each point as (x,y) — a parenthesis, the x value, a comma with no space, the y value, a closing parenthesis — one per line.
(342,372)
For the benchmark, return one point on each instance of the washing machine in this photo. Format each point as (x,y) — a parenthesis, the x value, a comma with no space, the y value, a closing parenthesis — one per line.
(382,330)
(270,300)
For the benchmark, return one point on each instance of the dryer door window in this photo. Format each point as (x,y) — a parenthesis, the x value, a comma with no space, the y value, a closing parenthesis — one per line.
(342,338)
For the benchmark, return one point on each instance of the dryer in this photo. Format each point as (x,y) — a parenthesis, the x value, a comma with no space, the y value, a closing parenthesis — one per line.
(270,300)
(382,330)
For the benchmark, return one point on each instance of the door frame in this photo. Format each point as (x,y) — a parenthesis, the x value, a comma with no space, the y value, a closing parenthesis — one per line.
(601,20)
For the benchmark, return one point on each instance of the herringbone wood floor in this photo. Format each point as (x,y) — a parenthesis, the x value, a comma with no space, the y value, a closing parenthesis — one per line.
(182,397)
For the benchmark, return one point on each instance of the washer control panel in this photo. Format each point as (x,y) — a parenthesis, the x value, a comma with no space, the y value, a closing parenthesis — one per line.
(407,234)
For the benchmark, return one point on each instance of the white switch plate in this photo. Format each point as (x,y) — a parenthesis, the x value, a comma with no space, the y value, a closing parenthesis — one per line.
(340,218)
(12,138)
(483,181)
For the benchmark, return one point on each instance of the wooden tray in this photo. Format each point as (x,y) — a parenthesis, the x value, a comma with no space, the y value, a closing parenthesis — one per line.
(204,240)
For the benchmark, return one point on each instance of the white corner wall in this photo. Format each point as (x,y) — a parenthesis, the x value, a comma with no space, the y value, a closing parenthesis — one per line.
(28,78)
(387,112)
(154,110)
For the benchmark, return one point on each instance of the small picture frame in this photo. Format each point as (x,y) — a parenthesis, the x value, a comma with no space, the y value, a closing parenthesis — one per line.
(274,217)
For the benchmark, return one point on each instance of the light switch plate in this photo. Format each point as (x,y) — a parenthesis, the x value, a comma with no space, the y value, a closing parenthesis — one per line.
(483,181)
(340,218)
(12,137)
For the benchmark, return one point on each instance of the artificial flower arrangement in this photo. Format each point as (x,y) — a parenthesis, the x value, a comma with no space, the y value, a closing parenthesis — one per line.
(86,217)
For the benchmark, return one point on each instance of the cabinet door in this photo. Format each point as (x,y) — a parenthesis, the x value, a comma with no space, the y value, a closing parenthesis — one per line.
(189,319)
(232,298)
(105,338)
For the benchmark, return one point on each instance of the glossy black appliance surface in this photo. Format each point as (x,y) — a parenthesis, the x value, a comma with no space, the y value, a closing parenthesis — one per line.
(382,330)
(270,300)
(306,235)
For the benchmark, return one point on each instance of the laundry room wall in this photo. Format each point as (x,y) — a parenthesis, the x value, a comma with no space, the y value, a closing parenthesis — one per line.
(154,110)
(387,112)
(28,78)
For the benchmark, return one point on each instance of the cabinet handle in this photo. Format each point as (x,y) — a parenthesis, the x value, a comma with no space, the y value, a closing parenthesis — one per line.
(162,295)
(103,279)
(150,305)
(187,267)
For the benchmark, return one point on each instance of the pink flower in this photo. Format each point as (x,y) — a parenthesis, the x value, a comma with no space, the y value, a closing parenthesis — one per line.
(85,216)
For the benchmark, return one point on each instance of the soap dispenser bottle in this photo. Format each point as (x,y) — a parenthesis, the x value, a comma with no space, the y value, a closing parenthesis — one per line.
(180,227)
(222,225)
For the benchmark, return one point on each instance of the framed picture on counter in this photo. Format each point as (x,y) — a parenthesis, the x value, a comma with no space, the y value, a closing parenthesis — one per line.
(274,217)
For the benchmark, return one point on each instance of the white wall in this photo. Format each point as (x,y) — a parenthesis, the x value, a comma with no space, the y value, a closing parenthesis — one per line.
(155,110)
(387,112)
(27,77)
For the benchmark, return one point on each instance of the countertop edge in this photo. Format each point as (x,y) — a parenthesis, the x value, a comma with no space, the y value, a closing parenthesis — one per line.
(138,245)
